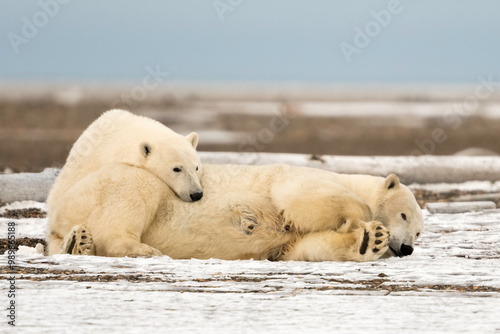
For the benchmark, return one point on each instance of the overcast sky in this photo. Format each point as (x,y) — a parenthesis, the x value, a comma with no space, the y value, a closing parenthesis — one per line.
(251,40)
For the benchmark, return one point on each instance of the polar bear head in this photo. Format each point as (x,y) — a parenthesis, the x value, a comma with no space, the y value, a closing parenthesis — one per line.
(119,136)
(175,161)
(398,210)
(146,143)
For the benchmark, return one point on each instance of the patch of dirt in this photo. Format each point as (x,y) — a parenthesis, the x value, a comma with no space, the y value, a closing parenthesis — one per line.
(47,274)
(33,126)
(30,242)
(24,213)
(427,196)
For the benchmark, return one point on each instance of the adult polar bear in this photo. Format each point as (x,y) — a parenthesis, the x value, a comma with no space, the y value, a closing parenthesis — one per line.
(125,141)
(131,204)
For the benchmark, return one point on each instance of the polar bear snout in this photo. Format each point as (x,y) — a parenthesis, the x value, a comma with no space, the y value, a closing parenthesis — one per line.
(185,182)
(406,250)
(196,196)
(400,251)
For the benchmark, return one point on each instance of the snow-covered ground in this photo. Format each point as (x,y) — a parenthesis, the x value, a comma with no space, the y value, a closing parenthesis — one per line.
(485,186)
(450,284)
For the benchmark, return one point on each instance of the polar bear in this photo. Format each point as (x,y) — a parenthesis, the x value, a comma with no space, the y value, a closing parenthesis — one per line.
(274,212)
(121,140)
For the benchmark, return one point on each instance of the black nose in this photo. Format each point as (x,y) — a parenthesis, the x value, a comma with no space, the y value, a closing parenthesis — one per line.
(197,196)
(406,250)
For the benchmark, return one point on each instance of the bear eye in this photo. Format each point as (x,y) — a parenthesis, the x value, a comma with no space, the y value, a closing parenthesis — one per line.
(196,168)
(418,234)
(403,215)
(177,169)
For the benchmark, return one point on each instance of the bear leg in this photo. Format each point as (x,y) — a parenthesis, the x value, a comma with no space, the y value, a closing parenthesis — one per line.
(315,206)
(130,248)
(368,242)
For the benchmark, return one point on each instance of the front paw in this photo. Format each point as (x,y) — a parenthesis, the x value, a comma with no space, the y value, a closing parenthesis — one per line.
(144,251)
(373,241)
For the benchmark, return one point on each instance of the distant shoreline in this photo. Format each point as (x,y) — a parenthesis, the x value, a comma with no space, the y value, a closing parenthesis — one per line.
(40,121)
(249,91)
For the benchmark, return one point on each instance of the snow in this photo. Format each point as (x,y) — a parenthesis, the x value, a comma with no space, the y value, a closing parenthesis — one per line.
(220,137)
(25,228)
(485,186)
(187,296)
(418,110)
(410,169)
(141,308)
(26,250)
(460,207)
(394,111)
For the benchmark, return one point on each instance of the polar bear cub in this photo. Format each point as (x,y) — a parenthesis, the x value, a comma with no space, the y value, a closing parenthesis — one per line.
(121,142)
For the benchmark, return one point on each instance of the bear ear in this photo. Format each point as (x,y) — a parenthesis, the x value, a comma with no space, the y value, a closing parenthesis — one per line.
(193,139)
(392,181)
(145,149)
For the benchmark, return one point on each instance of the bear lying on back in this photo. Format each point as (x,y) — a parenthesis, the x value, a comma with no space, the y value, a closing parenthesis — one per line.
(135,205)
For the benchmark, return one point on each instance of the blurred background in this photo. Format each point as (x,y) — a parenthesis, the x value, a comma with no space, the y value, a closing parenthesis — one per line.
(323,77)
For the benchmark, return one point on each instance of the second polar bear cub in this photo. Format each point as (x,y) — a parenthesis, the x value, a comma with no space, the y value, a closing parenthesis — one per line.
(117,140)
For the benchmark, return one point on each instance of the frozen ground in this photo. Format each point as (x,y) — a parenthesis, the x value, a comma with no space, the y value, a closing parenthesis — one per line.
(450,284)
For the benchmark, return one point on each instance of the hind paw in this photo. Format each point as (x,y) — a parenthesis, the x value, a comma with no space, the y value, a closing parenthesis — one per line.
(79,242)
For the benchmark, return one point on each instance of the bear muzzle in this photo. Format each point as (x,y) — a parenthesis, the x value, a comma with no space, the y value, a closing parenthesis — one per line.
(196,196)
(406,250)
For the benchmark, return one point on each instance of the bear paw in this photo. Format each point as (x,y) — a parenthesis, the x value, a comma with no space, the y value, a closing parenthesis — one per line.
(143,250)
(373,241)
(78,242)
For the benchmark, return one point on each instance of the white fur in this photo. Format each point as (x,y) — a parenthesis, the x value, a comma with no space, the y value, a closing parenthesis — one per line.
(119,138)
(132,204)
